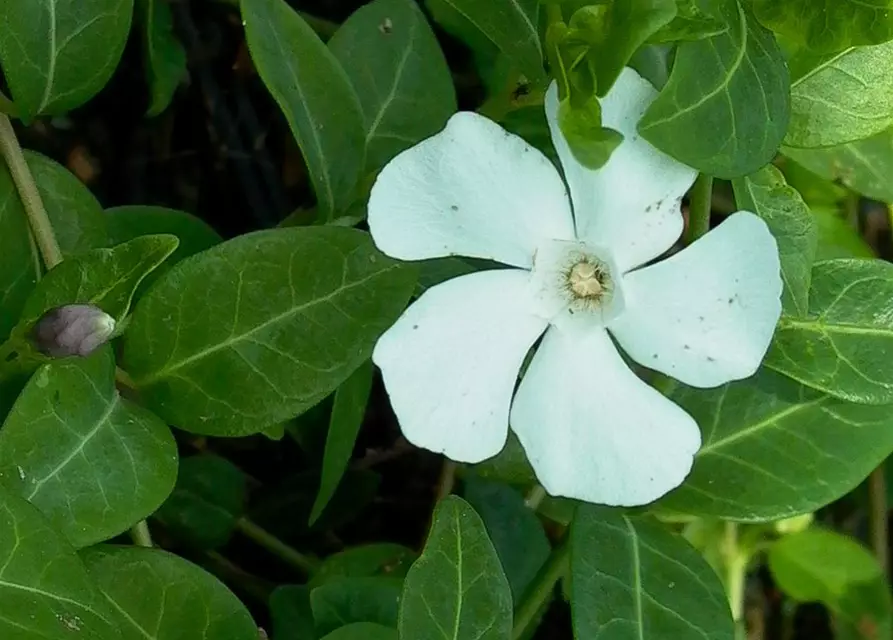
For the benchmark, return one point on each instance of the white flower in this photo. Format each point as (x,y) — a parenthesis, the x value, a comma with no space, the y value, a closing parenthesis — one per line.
(591,428)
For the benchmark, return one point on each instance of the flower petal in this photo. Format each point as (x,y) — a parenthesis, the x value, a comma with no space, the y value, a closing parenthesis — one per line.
(451,361)
(593,430)
(706,315)
(632,203)
(473,189)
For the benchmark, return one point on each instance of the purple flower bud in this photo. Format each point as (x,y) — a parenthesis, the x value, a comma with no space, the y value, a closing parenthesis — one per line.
(73,330)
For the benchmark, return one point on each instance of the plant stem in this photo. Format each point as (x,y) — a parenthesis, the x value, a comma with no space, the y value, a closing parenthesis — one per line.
(735,561)
(540,590)
(877,493)
(305,564)
(447,479)
(535,497)
(141,535)
(30,196)
(699,208)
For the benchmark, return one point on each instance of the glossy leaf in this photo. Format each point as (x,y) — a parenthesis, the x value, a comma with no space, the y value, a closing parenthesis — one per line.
(45,593)
(840,347)
(291,614)
(163,55)
(773,449)
(348,411)
(91,461)
(366,561)
(735,83)
(363,631)
(347,600)
(767,194)
(58,54)
(826,26)
(315,95)
(399,73)
(841,98)
(206,502)
(692,22)
(283,316)
(864,165)
(157,595)
(822,566)
(457,588)
(632,578)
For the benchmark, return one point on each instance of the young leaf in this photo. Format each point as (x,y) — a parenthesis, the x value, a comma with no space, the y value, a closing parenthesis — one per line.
(208,499)
(57,54)
(767,194)
(822,566)
(284,316)
(692,22)
(363,631)
(634,579)
(157,595)
(457,588)
(348,411)
(399,73)
(826,26)
(44,589)
(366,561)
(315,95)
(736,82)
(163,55)
(841,98)
(841,346)
(773,449)
(291,614)
(91,461)
(347,600)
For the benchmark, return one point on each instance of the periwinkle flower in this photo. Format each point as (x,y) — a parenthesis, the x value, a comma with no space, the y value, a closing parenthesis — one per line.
(73,330)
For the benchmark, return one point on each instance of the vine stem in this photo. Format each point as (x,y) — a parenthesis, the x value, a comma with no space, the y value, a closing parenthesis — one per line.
(699,208)
(30,196)
(141,535)
(540,590)
(447,479)
(735,562)
(877,493)
(304,564)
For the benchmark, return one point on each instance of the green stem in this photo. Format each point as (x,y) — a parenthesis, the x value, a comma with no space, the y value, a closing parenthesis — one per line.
(735,561)
(305,564)
(30,196)
(447,479)
(699,208)
(877,493)
(141,535)
(540,590)
(7,106)
(535,497)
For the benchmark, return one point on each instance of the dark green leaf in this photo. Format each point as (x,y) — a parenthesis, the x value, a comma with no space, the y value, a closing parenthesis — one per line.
(841,346)
(767,194)
(773,449)
(283,316)
(457,588)
(348,410)
(837,237)
(735,85)
(157,595)
(208,499)
(363,631)
(291,614)
(366,561)
(57,54)
(163,56)
(315,95)
(45,593)
(509,465)
(399,73)
(92,462)
(346,600)
(632,578)
(20,266)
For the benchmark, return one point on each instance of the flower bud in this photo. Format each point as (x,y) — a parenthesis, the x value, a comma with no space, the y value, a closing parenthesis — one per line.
(73,330)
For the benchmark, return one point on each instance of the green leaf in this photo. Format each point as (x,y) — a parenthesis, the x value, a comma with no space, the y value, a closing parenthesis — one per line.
(107,278)
(773,449)
(737,83)
(20,266)
(283,316)
(837,238)
(822,566)
(315,95)
(590,142)
(841,98)
(208,499)
(157,595)
(163,55)
(457,588)
(692,22)
(511,25)
(363,631)
(826,26)
(348,411)
(366,561)
(841,346)
(91,461)
(863,165)
(340,602)
(399,73)
(45,593)
(56,55)
(291,614)
(632,578)
(767,194)
(509,465)
(515,531)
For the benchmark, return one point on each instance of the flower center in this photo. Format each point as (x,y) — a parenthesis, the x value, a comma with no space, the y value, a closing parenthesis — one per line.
(587,280)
